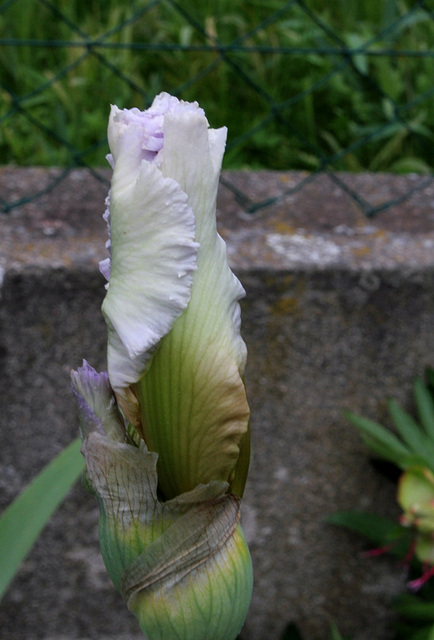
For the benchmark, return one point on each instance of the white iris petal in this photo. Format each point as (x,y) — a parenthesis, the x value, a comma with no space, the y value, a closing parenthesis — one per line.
(152,241)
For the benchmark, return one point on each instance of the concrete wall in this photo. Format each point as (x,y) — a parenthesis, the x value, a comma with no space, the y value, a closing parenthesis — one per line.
(339,314)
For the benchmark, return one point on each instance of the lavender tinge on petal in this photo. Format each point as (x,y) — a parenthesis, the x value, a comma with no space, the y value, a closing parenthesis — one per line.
(104,265)
(87,384)
(151,122)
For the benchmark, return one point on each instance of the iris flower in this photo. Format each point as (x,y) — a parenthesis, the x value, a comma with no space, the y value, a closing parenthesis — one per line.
(166,430)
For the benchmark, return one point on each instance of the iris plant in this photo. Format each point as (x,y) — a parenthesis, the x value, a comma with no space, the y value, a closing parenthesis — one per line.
(165,430)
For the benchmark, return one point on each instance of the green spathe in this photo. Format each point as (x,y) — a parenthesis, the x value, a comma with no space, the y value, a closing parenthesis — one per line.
(210,602)
(182,566)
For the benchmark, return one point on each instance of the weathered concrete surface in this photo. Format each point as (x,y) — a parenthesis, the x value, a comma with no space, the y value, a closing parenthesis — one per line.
(339,314)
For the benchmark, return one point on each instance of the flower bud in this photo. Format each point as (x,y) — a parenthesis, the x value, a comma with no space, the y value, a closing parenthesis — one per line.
(175,355)
(166,431)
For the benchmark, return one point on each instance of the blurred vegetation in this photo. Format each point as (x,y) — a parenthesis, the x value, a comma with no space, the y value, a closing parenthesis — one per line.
(290,97)
(404,453)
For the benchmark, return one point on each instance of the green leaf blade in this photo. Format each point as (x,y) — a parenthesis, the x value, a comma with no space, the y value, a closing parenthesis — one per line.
(379,530)
(414,436)
(412,607)
(407,427)
(24,519)
(381,440)
(425,406)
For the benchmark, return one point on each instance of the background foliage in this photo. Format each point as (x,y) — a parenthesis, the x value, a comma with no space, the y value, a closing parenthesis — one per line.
(302,84)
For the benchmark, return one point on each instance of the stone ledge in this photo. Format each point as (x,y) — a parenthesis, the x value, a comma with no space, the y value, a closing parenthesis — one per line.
(316,227)
(339,314)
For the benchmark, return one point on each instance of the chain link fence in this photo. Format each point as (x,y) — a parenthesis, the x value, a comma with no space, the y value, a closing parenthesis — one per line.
(301,85)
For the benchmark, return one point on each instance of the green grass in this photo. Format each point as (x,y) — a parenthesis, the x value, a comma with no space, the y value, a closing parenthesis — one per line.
(284,109)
